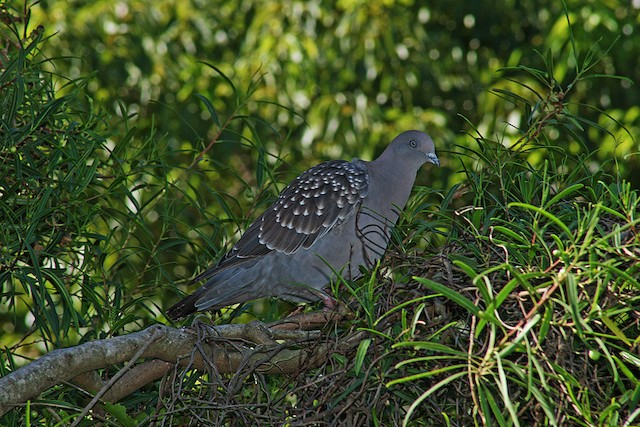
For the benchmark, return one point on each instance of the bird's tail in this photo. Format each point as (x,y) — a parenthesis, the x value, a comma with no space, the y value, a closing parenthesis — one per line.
(222,289)
(185,306)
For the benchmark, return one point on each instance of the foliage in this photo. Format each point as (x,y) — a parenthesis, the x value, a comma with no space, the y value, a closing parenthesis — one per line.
(512,300)
(541,292)
(353,71)
(50,166)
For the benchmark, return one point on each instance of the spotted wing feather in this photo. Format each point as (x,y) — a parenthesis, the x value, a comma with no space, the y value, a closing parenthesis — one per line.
(314,203)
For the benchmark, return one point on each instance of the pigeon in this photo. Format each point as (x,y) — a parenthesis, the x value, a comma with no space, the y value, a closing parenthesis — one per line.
(332,219)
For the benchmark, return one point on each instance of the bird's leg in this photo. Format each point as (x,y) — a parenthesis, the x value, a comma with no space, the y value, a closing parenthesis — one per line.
(334,307)
(298,310)
(329,302)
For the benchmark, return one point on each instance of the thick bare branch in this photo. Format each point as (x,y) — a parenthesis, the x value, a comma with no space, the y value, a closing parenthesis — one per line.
(227,348)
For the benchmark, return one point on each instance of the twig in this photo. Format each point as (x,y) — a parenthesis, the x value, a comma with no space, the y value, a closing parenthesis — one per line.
(116,377)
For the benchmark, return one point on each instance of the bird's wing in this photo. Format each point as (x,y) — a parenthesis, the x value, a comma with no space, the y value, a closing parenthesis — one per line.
(307,209)
(311,206)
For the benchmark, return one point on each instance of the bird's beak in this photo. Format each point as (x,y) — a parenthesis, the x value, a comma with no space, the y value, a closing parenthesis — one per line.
(433,159)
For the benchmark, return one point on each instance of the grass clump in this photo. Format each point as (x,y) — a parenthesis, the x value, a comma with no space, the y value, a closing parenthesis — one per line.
(512,303)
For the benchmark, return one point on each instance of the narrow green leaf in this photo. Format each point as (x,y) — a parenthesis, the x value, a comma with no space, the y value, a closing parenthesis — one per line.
(574,304)
(226,79)
(428,393)
(450,294)
(549,215)
(564,194)
(486,396)
(210,109)
(427,374)
(615,329)
(361,354)
(503,386)
(119,412)
(512,234)
(511,345)
(430,346)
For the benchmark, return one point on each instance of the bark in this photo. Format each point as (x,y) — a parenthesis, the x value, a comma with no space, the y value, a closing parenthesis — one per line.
(280,348)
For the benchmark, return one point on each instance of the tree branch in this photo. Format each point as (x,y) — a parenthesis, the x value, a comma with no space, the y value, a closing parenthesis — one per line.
(275,348)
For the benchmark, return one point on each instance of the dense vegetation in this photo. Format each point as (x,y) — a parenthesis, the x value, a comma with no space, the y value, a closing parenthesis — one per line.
(137,139)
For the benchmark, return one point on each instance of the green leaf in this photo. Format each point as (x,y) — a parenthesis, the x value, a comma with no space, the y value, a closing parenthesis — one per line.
(547,214)
(210,109)
(615,329)
(450,294)
(120,413)
(429,392)
(564,194)
(361,354)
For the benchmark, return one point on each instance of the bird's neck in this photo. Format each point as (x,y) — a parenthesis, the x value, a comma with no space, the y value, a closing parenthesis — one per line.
(399,179)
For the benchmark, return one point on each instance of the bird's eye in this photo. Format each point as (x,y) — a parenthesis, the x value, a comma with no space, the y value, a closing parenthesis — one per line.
(413,143)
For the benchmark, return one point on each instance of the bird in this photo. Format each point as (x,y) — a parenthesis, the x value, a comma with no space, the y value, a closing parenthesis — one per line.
(329,221)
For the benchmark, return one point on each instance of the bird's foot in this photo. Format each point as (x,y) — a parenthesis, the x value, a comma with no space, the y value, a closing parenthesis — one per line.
(296,311)
(329,302)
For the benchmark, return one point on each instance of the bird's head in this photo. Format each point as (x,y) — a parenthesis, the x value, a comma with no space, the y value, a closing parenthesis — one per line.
(411,149)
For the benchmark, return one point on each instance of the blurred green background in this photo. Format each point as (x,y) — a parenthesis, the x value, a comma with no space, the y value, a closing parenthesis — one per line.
(280,86)
(353,72)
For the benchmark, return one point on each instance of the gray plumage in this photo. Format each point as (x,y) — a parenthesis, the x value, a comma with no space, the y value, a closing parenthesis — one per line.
(331,219)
